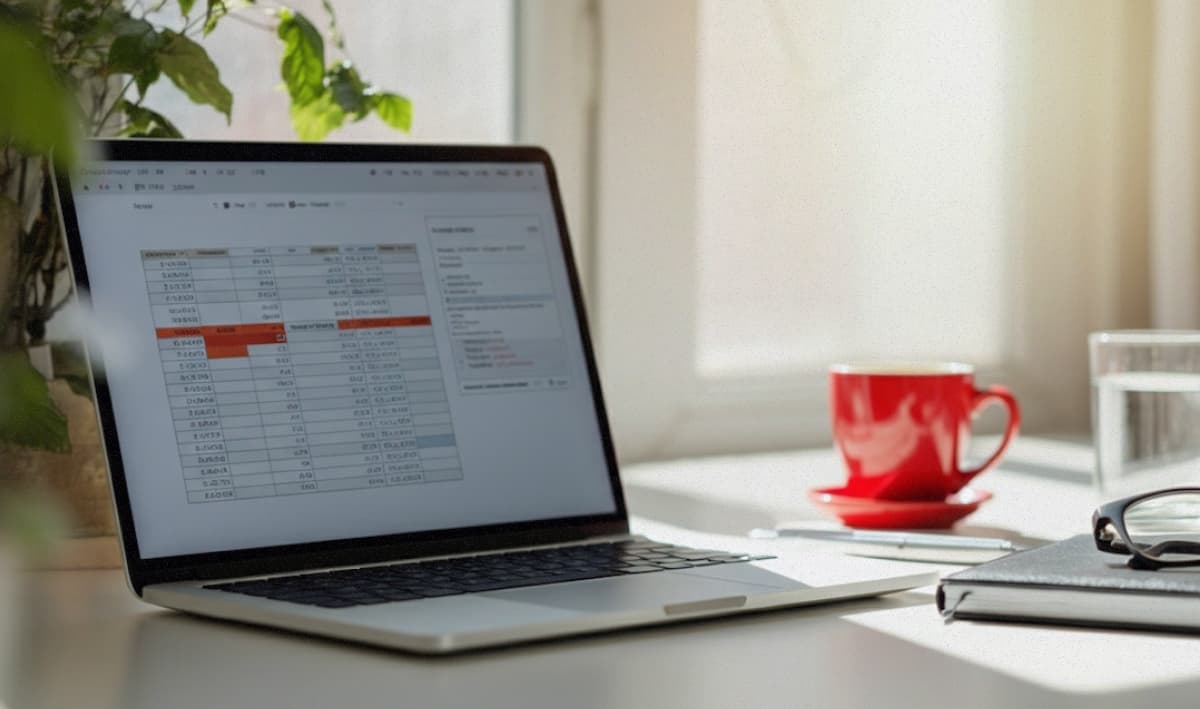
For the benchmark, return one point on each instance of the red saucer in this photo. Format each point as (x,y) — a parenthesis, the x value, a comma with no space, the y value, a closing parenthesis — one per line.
(871,513)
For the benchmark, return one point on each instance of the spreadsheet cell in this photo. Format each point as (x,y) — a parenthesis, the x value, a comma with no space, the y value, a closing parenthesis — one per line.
(204,487)
(180,343)
(330,395)
(237,397)
(208,283)
(160,298)
(248,456)
(319,427)
(353,448)
(178,354)
(242,433)
(186,366)
(283,418)
(295,370)
(206,472)
(221,296)
(250,468)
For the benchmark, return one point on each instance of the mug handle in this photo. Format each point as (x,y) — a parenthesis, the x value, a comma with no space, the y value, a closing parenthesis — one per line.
(995,395)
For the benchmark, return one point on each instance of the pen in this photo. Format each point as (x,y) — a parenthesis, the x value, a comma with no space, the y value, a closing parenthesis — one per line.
(895,539)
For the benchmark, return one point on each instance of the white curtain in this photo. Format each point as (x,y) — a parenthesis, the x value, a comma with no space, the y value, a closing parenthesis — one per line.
(1097,124)
(1175,166)
(1105,181)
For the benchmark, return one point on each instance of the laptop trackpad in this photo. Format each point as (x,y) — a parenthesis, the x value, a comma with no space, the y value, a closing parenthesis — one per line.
(669,588)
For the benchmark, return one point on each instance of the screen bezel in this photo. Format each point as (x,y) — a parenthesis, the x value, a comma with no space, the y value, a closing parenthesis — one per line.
(358,550)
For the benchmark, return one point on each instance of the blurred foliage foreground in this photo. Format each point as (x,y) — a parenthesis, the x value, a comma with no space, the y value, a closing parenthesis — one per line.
(74,68)
(83,67)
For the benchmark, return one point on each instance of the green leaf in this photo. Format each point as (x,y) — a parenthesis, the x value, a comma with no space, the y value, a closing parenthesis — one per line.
(395,110)
(28,416)
(145,123)
(146,77)
(36,110)
(70,365)
(122,24)
(185,6)
(313,121)
(93,23)
(190,68)
(134,51)
(213,12)
(349,91)
(303,65)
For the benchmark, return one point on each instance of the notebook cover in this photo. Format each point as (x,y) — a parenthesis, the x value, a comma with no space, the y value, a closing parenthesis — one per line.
(1077,563)
(1074,565)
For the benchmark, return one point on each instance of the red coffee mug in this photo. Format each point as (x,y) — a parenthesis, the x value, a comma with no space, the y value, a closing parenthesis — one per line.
(901,427)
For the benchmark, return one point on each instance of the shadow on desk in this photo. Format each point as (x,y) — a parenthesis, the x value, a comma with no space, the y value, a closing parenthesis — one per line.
(812,656)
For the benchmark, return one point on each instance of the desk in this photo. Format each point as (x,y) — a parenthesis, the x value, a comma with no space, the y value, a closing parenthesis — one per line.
(91,643)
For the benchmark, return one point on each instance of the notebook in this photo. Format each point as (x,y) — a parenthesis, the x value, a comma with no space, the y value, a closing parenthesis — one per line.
(1071,582)
(349,390)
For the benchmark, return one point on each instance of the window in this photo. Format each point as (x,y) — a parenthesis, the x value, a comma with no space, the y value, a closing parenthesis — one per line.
(453,59)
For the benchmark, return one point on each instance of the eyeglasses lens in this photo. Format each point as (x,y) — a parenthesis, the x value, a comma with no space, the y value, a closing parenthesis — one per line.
(1166,527)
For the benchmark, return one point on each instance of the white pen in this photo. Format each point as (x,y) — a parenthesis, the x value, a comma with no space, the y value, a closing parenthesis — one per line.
(893,539)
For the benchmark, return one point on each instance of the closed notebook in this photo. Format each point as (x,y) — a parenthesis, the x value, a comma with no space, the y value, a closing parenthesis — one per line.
(1071,582)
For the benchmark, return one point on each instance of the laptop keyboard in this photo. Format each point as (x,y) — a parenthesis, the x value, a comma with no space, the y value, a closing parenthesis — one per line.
(473,574)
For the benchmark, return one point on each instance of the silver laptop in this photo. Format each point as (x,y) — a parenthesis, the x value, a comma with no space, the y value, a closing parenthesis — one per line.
(349,390)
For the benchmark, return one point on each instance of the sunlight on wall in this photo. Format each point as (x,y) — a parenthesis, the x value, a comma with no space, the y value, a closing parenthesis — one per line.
(852,192)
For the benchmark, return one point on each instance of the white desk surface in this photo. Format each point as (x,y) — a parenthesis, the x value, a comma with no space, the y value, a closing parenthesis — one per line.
(89,642)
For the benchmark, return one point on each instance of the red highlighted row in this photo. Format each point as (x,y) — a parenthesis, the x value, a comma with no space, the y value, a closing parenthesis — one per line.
(359,323)
(207,331)
(222,341)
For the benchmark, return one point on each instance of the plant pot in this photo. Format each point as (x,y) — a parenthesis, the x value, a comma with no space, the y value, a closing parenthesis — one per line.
(79,479)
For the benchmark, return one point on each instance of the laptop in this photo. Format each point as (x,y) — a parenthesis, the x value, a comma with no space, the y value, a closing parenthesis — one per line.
(349,390)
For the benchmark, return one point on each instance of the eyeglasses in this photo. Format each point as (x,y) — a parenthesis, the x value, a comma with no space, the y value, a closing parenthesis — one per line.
(1159,529)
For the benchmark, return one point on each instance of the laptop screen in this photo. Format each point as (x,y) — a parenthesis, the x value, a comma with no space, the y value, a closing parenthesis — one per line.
(308,351)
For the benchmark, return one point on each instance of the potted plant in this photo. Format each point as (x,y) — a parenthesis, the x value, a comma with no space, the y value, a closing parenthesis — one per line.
(83,67)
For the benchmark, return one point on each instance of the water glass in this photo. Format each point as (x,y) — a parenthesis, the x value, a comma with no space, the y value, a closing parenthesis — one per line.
(1145,408)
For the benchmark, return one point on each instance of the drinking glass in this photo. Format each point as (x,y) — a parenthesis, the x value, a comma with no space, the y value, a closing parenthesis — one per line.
(1145,408)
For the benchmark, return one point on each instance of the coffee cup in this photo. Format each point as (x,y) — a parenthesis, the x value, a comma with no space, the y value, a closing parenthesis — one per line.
(901,428)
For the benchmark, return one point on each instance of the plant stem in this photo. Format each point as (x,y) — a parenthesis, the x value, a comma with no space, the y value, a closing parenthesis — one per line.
(97,128)
(21,174)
